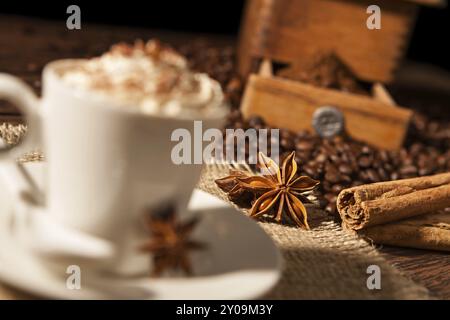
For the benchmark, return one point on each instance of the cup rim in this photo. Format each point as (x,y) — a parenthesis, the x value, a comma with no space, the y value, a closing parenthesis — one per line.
(49,72)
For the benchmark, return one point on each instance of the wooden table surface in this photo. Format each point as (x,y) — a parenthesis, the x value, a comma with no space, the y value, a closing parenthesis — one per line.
(26,45)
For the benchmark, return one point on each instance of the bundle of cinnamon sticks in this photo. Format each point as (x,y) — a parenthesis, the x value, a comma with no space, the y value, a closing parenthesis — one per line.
(410,212)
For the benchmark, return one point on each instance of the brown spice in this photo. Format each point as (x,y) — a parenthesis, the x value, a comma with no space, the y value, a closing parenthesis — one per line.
(409,212)
(326,71)
(279,188)
(384,202)
(170,242)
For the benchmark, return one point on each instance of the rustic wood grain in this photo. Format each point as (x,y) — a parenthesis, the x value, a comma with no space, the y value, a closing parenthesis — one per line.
(290,104)
(294,31)
(430,268)
(25,41)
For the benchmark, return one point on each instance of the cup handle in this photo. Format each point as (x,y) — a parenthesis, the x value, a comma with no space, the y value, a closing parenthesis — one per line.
(20,94)
(48,237)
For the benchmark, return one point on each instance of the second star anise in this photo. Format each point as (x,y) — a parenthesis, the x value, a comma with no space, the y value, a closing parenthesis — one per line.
(236,193)
(170,243)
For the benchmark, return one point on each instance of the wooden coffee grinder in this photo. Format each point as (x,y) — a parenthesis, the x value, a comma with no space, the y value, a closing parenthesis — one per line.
(293,32)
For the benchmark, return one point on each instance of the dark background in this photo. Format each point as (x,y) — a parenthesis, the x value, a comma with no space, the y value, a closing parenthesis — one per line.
(429,42)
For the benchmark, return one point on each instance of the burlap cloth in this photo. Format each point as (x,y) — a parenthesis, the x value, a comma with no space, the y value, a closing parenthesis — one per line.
(324,263)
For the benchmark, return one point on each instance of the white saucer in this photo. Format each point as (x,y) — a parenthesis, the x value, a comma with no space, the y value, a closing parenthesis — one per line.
(241,261)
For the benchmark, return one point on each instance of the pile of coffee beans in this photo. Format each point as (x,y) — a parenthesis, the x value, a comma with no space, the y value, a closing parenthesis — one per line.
(219,63)
(342,162)
(326,70)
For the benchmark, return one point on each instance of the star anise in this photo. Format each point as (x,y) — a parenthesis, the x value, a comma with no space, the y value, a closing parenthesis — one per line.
(231,185)
(278,188)
(170,242)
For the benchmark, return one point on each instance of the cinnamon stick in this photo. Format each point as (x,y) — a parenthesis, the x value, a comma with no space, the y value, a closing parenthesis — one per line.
(379,203)
(428,231)
(407,213)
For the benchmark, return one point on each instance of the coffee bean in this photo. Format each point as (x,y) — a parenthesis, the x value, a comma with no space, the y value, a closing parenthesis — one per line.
(395,176)
(235,115)
(331,197)
(310,171)
(346,179)
(364,176)
(255,121)
(408,161)
(331,208)
(372,175)
(304,155)
(321,158)
(425,171)
(366,150)
(287,144)
(377,163)
(326,185)
(382,174)
(365,161)
(303,134)
(384,156)
(388,167)
(337,188)
(304,145)
(408,170)
(235,84)
(345,169)
(332,174)
(322,201)
(286,134)
(239,125)
(335,158)
(442,160)
(415,149)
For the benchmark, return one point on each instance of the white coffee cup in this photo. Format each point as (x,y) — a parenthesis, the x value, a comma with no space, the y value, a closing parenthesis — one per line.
(106,163)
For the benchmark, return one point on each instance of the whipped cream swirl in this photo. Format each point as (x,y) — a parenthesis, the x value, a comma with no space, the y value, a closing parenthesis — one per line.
(148,76)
